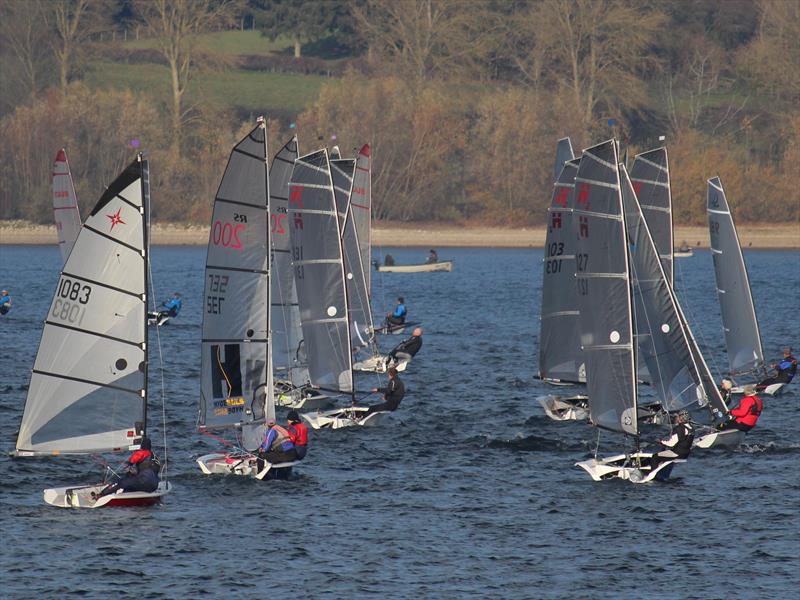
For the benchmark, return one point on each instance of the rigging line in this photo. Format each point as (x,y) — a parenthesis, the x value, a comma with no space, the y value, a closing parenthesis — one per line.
(160,355)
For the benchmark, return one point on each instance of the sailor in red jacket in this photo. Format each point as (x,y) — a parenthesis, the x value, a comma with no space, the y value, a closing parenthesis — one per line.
(746,414)
(298,433)
(142,472)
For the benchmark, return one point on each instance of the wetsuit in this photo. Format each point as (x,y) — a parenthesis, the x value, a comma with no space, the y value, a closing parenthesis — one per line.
(392,395)
(786,370)
(142,475)
(406,349)
(678,445)
(5,304)
(745,415)
(398,317)
(298,433)
(277,446)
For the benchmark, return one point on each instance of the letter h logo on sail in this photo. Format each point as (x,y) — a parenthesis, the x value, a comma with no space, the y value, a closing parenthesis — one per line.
(555,221)
(296,199)
(583,196)
(561,197)
(583,230)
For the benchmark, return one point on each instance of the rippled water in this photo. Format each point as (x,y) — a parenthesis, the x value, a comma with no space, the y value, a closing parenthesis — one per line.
(468,491)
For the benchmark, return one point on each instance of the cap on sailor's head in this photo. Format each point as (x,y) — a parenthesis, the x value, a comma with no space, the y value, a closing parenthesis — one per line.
(727,384)
(293,416)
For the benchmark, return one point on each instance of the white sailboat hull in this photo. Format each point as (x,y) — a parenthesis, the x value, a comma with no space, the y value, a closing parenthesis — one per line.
(621,466)
(296,399)
(773,389)
(80,496)
(344,417)
(574,408)
(377,364)
(729,438)
(245,465)
(445,265)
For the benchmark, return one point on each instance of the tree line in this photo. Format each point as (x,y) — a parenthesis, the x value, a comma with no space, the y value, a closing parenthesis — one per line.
(462,100)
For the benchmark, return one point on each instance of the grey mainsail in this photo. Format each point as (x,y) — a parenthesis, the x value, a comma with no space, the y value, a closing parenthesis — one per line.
(65,205)
(361,207)
(560,355)
(739,322)
(342,170)
(88,390)
(319,273)
(676,367)
(236,370)
(287,336)
(604,292)
(358,307)
(650,177)
(563,154)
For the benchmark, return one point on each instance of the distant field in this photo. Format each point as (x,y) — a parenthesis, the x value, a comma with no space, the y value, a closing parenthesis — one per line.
(229,43)
(247,90)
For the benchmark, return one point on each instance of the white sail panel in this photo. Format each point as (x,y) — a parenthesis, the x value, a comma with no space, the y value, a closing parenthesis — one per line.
(361,205)
(739,321)
(564,153)
(234,379)
(604,295)
(88,388)
(650,178)
(319,273)
(560,355)
(65,205)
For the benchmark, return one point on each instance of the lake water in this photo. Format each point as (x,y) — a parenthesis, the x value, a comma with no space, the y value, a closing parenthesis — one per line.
(468,491)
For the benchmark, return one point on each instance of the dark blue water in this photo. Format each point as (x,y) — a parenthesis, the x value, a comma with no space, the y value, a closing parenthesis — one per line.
(469,491)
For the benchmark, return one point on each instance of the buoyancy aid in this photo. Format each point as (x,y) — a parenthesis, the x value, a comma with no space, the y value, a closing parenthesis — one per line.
(787,368)
(298,433)
(282,436)
(748,411)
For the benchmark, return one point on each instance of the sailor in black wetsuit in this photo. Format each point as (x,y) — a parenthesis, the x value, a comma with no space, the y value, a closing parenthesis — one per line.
(785,370)
(679,444)
(392,394)
(406,349)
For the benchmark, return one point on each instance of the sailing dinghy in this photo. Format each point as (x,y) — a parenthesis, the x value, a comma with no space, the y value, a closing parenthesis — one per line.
(88,391)
(560,355)
(236,380)
(65,205)
(322,290)
(433,267)
(739,321)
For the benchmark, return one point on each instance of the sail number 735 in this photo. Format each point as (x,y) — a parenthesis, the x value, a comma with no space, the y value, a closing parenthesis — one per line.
(217,285)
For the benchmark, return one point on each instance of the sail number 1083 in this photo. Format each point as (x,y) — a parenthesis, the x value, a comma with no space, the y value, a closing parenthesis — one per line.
(69,303)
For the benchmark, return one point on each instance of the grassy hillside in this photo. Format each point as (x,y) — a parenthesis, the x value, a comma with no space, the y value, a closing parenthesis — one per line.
(229,43)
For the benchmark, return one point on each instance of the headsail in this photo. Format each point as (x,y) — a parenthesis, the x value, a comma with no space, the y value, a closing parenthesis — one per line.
(739,321)
(88,390)
(319,273)
(604,294)
(560,355)
(236,370)
(650,178)
(676,367)
(359,311)
(563,154)
(287,335)
(65,205)
(361,207)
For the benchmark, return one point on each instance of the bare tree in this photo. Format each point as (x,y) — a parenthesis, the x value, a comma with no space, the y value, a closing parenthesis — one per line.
(75,21)
(174,23)
(23,33)
(594,49)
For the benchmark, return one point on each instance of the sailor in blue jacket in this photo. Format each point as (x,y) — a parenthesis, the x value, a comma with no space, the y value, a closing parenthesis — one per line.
(5,302)
(173,305)
(785,370)
(398,317)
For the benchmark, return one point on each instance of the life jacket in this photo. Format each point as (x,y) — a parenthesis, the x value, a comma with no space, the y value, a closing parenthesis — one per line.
(751,413)
(683,446)
(787,368)
(298,433)
(281,438)
(145,460)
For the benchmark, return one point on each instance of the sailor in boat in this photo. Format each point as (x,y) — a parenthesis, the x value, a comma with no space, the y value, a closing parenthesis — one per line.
(277,446)
(5,302)
(398,316)
(745,416)
(406,349)
(433,257)
(679,444)
(142,472)
(785,370)
(726,389)
(392,395)
(171,307)
(298,433)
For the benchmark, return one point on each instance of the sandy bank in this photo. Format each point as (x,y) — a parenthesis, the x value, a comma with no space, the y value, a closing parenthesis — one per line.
(761,236)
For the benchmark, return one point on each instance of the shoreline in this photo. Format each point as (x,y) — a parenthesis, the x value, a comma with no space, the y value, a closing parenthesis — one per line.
(756,236)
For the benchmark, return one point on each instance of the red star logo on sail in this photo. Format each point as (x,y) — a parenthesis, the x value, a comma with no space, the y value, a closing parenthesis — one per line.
(116,219)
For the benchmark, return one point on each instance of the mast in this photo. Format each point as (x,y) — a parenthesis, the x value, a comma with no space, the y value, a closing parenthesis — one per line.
(739,321)
(145,166)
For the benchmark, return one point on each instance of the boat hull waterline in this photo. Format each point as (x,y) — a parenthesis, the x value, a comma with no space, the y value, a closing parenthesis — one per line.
(80,496)
(621,466)
(344,417)
(243,464)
